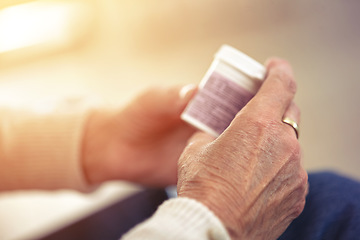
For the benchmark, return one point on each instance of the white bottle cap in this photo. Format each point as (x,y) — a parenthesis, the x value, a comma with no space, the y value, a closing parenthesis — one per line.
(241,61)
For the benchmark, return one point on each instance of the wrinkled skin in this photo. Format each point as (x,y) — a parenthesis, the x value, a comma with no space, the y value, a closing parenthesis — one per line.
(251,176)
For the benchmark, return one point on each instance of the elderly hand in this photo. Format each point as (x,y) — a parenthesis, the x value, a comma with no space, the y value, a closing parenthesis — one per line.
(251,175)
(141,143)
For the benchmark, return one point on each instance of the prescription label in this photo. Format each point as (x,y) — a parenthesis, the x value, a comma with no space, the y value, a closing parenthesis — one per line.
(216,103)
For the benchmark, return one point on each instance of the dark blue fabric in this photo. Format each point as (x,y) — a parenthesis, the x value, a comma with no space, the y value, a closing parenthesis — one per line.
(332,210)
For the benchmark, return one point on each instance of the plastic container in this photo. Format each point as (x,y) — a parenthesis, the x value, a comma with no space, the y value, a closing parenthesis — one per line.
(231,81)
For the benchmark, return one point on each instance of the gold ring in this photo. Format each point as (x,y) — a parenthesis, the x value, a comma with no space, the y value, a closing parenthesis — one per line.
(293,124)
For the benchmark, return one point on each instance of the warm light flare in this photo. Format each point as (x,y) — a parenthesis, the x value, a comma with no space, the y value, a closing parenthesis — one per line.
(50,22)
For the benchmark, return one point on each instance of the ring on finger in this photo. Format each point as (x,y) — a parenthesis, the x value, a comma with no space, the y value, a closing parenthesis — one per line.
(293,124)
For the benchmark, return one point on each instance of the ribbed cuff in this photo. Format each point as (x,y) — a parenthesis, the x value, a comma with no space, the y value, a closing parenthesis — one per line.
(42,151)
(180,218)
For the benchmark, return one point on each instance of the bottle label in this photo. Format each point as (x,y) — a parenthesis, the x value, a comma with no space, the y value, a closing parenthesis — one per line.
(217,102)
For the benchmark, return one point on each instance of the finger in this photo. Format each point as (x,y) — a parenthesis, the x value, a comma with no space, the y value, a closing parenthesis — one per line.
(187,92)
(176,98)
(291,118)
(293,112)
(278,89)
(199,139)
(166,101)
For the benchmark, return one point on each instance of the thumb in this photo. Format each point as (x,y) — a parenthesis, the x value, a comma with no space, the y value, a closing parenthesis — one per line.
(165,101)
(175,99)
(198,140)
(187,92)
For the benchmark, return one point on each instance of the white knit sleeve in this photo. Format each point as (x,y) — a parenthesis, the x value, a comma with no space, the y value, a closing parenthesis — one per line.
(180,218)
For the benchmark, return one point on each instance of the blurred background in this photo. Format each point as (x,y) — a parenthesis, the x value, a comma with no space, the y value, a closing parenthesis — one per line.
(110,50)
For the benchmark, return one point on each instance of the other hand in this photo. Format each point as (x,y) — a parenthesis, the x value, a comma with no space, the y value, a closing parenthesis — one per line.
(140,143)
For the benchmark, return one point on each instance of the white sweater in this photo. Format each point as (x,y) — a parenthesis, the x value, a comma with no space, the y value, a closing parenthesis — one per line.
(180,219)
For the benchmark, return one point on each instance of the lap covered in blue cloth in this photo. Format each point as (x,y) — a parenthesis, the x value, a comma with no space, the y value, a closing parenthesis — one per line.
(332,210)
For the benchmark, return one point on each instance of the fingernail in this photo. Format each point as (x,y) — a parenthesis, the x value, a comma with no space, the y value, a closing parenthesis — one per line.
(187,91)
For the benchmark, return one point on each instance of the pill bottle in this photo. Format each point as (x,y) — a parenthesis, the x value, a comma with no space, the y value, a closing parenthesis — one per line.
(231,81)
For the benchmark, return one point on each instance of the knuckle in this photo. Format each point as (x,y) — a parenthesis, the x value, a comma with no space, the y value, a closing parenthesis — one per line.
(287,80)
(292,85)
(298,208)
(302,183)
(303,178)
(298,196)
